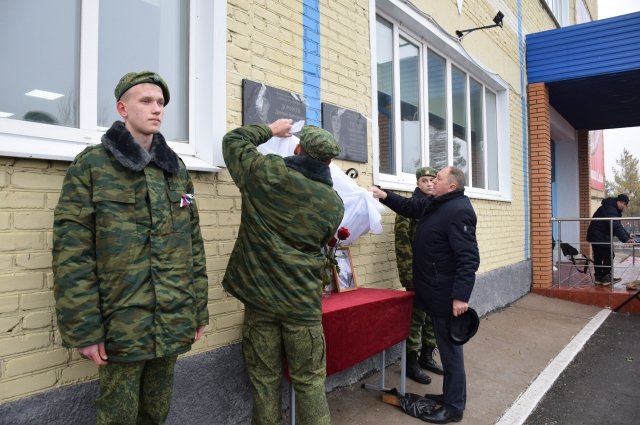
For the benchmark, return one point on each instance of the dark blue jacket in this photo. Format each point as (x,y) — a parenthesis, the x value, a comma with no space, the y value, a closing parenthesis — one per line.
(599,230)
(445,250)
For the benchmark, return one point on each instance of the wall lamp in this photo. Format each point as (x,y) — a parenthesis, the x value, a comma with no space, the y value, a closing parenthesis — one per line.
(497,22)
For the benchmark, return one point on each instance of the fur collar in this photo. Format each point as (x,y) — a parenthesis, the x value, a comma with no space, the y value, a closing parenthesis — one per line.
(131,155)
(417,193)
(311,168)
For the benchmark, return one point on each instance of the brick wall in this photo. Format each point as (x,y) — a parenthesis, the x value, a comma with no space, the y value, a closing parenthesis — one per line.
(30,356)
(540,163)
(584,158)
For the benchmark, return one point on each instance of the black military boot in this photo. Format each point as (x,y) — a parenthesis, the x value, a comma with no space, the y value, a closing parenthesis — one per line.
(427,362)
(413,369)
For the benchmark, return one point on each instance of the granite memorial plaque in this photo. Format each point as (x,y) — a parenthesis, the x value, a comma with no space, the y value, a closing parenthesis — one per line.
(350,130)
(262,104)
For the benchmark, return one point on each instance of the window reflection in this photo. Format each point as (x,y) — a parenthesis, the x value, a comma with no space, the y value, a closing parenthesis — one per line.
(437,68)
(41,86)
(477,135)
(384,54)
(155,39)
(459,102)
(410,106)
(491,118)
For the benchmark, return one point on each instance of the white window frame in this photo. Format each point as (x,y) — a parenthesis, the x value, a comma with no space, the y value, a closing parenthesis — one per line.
(418,26)
(207,96)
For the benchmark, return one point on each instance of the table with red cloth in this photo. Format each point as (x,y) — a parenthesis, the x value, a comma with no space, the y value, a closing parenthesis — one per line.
(358,324)
(361,323)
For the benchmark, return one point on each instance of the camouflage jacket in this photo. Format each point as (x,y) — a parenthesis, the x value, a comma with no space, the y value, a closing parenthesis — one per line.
(404,231)
(128,260)
(289,211)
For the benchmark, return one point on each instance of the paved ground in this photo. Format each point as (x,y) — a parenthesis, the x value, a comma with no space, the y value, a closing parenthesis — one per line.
(602,383)
(513,361)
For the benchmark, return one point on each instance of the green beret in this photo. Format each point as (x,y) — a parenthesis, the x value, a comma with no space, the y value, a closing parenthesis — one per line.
(426,171)
(134,78)
(318,143)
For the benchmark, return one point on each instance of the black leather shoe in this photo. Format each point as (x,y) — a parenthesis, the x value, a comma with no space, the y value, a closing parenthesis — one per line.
(427,362)
(443,415)
(413,370)
(438,398)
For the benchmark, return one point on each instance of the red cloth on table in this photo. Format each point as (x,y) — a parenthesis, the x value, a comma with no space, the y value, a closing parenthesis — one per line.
(358,324)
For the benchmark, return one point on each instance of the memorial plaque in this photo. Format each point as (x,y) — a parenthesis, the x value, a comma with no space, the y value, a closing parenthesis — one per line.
(262,104)
(350,130)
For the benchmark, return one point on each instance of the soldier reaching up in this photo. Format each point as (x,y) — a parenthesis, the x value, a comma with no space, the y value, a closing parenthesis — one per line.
(289,212)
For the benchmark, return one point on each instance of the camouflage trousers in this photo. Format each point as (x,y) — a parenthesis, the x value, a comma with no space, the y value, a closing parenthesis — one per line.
(421,332)
(265,343)
(135,392)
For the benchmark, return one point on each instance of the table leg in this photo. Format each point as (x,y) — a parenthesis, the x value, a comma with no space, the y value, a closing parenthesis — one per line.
(403,367)
(292,404)
(381,377)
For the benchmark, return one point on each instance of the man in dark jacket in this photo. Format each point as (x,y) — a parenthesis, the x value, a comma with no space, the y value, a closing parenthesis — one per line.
(599,234)
(421,337)
(129,266)
(289,212)
(445,261)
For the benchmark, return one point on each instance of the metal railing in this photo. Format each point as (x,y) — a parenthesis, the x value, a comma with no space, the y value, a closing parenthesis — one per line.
(631,224)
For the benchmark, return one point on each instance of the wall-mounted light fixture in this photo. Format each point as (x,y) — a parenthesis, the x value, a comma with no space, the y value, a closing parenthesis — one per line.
(497,22)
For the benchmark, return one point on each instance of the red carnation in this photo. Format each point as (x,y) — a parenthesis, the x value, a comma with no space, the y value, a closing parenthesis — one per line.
(343,233)
(333,242)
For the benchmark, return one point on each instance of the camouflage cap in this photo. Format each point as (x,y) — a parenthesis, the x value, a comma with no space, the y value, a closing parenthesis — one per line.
(134,78)
(426,171)
(318,143)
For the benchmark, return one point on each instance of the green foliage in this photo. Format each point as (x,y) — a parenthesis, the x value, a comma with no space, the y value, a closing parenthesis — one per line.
(626,179)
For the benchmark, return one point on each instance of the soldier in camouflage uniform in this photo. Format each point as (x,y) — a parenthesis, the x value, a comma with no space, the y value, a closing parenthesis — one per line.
(421,339)
(289,212)
(128,259)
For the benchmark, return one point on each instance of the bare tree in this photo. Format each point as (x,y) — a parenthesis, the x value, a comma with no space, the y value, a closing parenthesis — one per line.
(626,179)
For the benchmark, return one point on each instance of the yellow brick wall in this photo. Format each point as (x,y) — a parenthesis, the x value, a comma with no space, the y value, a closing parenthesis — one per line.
(30,356)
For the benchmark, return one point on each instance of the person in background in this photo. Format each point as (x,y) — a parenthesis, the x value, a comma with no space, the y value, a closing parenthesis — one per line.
(421,337)
(599,235)
(130,278)
(445,262)
(289,212)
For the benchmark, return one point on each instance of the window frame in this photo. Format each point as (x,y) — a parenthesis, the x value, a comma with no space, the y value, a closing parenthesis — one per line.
(417,26)
(206,81)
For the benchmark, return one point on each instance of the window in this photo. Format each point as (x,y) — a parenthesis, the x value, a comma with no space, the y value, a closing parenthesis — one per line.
(437,90)
(582,12)
(560,9)
(435,109)
(386,111)
(67,57)
(459,103)
(410,105)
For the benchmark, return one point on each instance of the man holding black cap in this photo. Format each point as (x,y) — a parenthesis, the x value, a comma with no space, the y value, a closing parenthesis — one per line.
(599,234)
(289,212)
(421,337)
(130,281)
(445,261)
